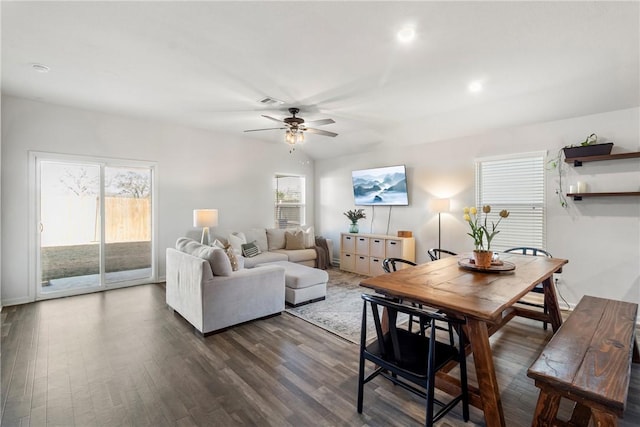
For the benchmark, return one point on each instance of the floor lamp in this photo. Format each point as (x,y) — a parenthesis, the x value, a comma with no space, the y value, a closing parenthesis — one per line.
(205,218)
(439,205)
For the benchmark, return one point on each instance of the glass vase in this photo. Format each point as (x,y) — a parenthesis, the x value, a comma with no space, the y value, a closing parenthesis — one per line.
(353,228)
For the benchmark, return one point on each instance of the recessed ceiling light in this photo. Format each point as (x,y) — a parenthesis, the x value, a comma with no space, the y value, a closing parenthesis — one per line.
(41,68)
(406,34)
(475,87)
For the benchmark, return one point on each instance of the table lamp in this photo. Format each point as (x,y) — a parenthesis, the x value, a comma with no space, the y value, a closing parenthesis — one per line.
(439,205)
(205,218)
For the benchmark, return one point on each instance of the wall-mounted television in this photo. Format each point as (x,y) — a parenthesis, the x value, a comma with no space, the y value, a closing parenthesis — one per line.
(386,186)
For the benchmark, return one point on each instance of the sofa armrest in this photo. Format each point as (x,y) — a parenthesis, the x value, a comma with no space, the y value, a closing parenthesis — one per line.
(186,276)
(245,295)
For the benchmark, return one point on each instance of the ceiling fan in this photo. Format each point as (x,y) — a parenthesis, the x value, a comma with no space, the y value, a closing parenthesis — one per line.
(296,127)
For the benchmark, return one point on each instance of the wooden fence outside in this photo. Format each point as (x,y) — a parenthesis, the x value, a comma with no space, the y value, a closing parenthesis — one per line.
(127,219)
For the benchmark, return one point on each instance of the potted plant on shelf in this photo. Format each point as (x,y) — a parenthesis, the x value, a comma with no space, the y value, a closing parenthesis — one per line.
(481,233)
(586,148)
(354,215)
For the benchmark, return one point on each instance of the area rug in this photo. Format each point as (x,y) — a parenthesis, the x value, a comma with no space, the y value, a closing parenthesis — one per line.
(341,312)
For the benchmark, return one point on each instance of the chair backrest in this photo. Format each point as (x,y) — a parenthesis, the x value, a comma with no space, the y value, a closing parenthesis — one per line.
(389,264)
(436,253)
(391,351)
(524,250)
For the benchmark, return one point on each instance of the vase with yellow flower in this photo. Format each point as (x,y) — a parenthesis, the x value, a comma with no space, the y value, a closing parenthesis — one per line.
(483,233)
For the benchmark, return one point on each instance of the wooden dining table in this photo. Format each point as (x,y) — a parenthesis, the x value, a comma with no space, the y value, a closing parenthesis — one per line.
(486,300)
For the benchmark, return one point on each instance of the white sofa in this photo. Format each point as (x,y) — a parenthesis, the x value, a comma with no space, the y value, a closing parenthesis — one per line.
(202,287)
(272,244)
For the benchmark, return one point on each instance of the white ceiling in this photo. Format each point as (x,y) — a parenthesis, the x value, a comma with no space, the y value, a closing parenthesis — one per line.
(206,64)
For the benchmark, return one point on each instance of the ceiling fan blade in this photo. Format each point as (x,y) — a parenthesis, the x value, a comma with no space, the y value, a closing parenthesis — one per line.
(256,130)
(320,132)
(320,122)
(273,118)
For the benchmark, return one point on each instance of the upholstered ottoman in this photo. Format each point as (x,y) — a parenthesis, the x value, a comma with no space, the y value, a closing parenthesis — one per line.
(302,284)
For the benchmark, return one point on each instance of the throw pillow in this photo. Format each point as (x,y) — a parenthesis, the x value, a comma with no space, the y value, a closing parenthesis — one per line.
(294,240)
(236,240)
(309,236)
(233,259)
(250,249)
(218,260)
(221,265)
(275,237)
(218,244)
(259,236)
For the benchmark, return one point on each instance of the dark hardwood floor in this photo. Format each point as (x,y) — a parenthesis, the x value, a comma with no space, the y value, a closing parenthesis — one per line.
(123,358)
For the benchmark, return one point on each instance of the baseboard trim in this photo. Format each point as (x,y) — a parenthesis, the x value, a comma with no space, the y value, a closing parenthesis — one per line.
(17,301)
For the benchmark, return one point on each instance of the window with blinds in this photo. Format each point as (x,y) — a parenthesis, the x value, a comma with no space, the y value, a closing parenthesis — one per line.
(289,199)
(516,184)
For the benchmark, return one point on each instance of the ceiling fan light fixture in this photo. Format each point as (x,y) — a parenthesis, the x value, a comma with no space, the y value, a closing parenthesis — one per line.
(294,136)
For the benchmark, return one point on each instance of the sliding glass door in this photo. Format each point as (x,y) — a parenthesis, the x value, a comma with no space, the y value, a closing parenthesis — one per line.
(93,222)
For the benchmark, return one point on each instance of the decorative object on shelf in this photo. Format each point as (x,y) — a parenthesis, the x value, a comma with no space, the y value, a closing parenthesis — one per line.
(588,147)
(405,233)
(439,205)
(354,215)
(480,232)
(205,218)
(581,186)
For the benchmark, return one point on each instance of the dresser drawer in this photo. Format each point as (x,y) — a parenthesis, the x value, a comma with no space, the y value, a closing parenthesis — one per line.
(375,266)
(347,261)
(394,249)
(348,243)
(376,247)
(362,245)
(362,264)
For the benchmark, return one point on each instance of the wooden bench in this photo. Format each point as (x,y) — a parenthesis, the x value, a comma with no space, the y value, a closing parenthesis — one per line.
(588,361)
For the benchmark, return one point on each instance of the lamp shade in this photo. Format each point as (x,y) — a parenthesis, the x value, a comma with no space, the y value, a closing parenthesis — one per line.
(205,217)
(439,205)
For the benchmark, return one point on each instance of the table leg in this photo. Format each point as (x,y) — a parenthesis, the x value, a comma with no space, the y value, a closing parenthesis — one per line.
(478,335)
(551,300)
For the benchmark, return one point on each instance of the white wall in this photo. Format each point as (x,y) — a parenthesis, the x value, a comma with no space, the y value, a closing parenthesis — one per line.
(196,169)
(599,237)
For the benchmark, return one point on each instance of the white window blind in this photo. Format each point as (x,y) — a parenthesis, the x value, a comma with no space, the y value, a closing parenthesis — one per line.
(289,207)
(517,185)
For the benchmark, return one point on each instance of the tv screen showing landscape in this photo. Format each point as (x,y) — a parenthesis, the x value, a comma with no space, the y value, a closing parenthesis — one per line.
(380,186)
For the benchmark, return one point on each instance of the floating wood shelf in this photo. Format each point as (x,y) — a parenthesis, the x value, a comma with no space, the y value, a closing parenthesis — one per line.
(579,196)
(577,161)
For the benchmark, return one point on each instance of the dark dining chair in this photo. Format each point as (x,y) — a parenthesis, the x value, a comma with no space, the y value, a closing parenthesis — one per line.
(411,360)
(391,264)
(539,289)
(436,253)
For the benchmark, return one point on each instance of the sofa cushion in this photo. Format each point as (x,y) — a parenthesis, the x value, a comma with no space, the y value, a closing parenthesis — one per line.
(217,258)
(259,236)
(294,239)
(298,255)
(264,257)
(275,238)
